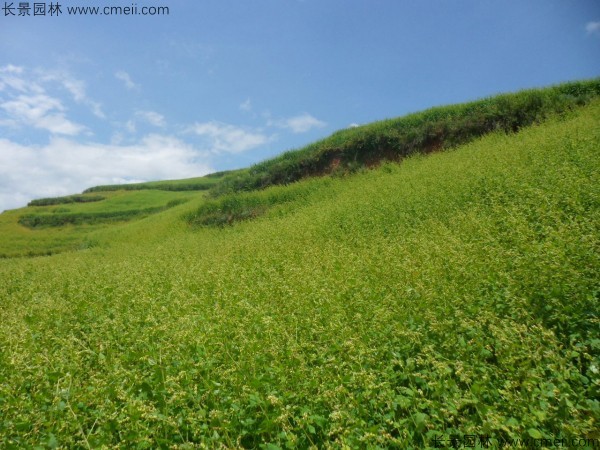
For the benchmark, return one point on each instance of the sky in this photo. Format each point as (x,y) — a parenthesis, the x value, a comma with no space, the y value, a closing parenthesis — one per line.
(193,87)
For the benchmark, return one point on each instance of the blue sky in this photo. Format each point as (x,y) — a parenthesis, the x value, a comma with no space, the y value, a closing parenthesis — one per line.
(222,84)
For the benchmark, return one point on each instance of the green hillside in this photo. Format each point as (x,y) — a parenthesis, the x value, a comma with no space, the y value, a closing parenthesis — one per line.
(70,224)
(59,224)
(423,132)
(445,295)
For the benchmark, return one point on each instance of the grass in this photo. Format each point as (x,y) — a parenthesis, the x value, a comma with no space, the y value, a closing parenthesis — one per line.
(189,184)
(451,295)
(60,226)
(59,219)
(232,208)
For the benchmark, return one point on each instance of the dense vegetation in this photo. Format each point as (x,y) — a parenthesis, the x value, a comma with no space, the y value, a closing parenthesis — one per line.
(62,219)
(190,184)
(231,208)
(452,295)
(65,200)
(55,228)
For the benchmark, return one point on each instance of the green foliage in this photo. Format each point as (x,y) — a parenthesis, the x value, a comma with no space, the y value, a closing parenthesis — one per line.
(68,199)
(59,220)
(62,219)
(191,184)
(233,208)
(451,295)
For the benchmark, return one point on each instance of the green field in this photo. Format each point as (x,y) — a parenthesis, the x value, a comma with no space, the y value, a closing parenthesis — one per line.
(59,227)
(448,295)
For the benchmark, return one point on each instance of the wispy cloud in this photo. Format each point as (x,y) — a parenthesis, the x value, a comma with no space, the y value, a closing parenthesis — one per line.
(246,105)
(27,100)
(127,81)
(65,166)
(76,88)
(152,117)
(593,28)
(10,77)
(9,68)
(222,137)
(299,124)
(40,111)
(130,126)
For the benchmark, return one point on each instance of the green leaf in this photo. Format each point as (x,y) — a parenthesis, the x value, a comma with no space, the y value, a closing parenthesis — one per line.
(420,420)
(52,441)
(271,447)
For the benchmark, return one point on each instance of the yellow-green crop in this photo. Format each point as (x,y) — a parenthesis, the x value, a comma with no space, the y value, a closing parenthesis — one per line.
(448,296)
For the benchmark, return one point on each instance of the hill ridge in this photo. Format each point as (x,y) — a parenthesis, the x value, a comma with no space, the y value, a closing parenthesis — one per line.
(425,131)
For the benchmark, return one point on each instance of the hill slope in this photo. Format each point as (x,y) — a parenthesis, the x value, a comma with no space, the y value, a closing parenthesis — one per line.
(452,295)
(53,225)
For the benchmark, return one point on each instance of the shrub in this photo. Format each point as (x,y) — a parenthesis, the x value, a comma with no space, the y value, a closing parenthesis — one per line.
(68,199)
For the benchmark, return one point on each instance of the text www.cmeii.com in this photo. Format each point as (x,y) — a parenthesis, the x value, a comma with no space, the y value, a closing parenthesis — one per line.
(27,9)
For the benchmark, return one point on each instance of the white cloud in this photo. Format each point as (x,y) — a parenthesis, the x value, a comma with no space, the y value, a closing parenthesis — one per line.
(299,124)
(75,87)
(152,117)
(593,28)
(11,69)
(26,102)
(40,111)
(126,79)
(68,162)
(246,105)
(64,166)
(117,138)
(130,126)
(78,91)
(97,109)
(9,77)
(227,138)
(354,125)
